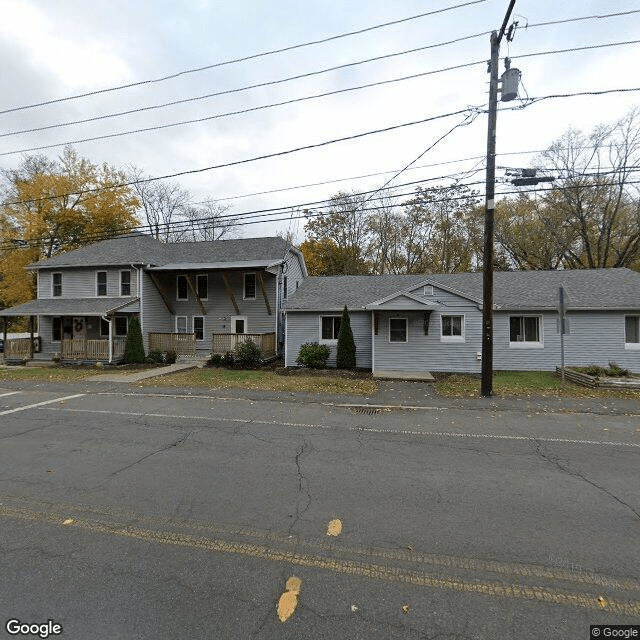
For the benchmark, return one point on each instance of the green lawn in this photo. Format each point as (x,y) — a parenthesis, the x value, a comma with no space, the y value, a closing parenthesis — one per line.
(524,383)
(49,374)
(218,378)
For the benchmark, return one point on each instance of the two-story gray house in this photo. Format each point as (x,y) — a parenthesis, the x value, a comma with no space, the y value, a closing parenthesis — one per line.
(193,298)
(411,324)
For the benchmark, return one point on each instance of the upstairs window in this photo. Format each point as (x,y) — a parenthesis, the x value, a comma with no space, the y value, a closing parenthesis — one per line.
(330,327)
(125,283)
(101,283)
(202,286)
(249,286)
(182,288)
(56,289)
(524,330)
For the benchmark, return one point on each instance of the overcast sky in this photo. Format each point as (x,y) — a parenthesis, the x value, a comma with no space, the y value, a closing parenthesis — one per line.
(52,50)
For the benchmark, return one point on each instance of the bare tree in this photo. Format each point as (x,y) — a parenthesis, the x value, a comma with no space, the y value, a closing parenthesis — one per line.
(208,220)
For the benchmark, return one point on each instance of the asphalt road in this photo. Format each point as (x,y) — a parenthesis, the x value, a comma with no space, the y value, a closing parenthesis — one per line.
(138,515)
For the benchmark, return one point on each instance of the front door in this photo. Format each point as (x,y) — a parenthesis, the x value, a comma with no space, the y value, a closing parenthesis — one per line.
(239,324)
(79,328)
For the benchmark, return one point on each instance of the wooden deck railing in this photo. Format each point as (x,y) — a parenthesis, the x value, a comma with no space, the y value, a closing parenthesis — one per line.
(17,349)
(184,344)
(78,349)
(223,342)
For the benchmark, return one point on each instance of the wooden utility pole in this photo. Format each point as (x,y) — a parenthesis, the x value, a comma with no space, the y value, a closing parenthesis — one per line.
(486,386)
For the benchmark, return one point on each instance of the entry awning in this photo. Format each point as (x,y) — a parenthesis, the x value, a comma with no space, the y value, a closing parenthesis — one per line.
(403,302)
(73,307)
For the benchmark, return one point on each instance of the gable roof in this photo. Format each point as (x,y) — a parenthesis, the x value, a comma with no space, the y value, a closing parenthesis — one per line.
(513,290)
(142,249)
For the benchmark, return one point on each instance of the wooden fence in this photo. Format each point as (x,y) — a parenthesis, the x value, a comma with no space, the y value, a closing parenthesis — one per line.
(598,382)
(17,349)
(184,344)
(223,342)
(78,349)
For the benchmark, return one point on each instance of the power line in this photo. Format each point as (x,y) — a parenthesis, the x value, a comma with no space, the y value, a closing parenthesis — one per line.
(252,159)
(244,58)
(573,49)
(241,111)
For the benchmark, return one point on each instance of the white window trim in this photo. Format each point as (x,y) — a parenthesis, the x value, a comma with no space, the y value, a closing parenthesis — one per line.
(177,288)
(406,324)
(53,295)
(244,286)
(106,283)
(123,295)
(631,346)
(193,326)
(202,275)
(186,323)
(427,290)
(524,344)
(458,339)
(233,324)
(322,340)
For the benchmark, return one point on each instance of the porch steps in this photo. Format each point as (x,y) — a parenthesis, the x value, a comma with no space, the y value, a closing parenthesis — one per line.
(419,376)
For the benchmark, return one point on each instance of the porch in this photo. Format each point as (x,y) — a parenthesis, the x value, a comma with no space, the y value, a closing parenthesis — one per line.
(78,350)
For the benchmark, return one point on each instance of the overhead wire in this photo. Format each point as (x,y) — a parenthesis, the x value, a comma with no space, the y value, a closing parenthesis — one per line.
(245,58)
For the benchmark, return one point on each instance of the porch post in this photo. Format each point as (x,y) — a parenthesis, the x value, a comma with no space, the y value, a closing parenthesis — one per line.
(110,320)
(31,337)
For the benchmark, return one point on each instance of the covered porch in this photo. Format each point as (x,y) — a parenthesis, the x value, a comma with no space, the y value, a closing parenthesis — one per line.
(71,330)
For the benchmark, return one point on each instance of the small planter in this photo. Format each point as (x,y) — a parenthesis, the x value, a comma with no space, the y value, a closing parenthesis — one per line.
(598,382)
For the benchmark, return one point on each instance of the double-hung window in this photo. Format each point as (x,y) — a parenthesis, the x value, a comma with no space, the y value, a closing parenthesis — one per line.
(398,330)
(452,328)
(181,324)
(182,288)
(632,332)
(101,283)
(202,286)
(525,331)
(125,283)
(56,282)
(249,286)
(330,327)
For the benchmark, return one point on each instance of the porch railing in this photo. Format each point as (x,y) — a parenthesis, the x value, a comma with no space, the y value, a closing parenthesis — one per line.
(184,344)
(78,349)
(17,349)
(223,342)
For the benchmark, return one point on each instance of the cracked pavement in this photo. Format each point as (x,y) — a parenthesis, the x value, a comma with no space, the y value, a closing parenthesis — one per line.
(150,515)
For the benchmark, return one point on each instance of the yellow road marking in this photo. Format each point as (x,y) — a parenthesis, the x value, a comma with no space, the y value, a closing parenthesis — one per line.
(334,528)
(416,557)
(289,599)
(349,567)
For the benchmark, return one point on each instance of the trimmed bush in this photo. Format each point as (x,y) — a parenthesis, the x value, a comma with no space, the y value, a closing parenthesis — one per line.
(155,357)
(134,347)
(247,354)
(313,355)
(227,359)
(215,360)
(346,354)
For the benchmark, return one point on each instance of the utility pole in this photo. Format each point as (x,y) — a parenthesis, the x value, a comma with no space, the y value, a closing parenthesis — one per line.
(486,386)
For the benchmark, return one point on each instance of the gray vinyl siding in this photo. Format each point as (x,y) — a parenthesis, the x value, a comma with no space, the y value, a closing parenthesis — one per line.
(305,327)
(293,271)
(218,306)
(593,338)
(429,352)
(81,283)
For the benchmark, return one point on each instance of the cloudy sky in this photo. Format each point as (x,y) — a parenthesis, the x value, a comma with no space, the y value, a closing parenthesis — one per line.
(51,51)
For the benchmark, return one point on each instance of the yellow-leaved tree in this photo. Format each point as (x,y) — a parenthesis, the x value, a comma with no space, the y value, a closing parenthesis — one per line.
(49,207)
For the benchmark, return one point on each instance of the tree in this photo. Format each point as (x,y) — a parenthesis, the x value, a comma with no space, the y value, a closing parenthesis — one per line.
(346,348)
(206,221)
(134,346)
(324,257)
(54,206)
(343,235)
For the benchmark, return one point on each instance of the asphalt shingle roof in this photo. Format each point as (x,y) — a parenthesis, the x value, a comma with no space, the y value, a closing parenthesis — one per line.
(513,290)
(71,306)
(141,249)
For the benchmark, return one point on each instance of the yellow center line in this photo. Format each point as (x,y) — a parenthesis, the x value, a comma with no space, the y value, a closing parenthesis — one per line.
(349,567)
